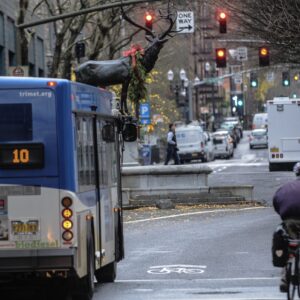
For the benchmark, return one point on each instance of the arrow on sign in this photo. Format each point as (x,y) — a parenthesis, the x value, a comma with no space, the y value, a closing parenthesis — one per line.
(187,27)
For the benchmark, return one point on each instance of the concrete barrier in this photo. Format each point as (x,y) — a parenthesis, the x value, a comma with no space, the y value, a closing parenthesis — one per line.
(184,184)
(164,180)
(245,191)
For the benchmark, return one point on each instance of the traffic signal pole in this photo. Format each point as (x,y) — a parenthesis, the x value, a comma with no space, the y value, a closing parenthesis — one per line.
(83,12)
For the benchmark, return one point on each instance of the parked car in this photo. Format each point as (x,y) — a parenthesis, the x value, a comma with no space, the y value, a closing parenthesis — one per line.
(223,145)
(232,132)
(258,138)
(191,143)
(209,147)
(260,121)
(235,121)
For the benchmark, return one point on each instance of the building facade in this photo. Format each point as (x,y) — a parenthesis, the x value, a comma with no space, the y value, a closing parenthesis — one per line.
(8,42)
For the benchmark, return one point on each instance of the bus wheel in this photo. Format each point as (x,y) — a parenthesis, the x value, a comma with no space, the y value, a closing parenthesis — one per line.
(86,286)
(107,273)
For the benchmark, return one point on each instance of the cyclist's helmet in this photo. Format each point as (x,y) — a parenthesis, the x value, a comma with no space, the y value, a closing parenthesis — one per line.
(297,169)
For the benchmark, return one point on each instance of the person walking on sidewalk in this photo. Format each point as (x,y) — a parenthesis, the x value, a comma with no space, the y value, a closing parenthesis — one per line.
(172,146)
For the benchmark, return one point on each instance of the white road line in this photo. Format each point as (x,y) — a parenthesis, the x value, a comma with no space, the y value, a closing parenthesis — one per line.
(194,213)
(200,279)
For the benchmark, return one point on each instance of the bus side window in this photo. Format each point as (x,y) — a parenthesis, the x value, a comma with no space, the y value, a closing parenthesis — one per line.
(102,155)
(85,154)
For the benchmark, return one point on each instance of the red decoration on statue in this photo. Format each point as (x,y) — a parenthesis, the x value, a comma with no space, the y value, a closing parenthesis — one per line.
(132,52)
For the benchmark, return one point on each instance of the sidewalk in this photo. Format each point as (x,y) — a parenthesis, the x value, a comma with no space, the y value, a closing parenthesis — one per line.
(148,213)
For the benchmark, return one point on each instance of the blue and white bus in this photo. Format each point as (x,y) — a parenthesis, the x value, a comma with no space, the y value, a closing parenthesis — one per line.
(60,185)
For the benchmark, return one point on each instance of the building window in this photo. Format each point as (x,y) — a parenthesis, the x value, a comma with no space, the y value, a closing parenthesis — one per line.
(40,53)
(2,39)
(2,61)
(11,58)
(31,57)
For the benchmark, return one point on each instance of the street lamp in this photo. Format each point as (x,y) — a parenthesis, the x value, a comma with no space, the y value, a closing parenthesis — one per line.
(170,75)
(182,75)
(197,81)
(180,88)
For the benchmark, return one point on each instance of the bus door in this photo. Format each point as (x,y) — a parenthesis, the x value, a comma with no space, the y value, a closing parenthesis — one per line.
(110,206)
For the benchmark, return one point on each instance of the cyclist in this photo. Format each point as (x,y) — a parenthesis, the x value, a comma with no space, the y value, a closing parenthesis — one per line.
(286,203)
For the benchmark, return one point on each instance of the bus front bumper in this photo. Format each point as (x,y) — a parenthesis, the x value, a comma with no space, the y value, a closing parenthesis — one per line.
(36,260)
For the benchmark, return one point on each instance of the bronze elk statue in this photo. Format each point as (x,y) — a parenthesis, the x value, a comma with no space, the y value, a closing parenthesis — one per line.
(119,71)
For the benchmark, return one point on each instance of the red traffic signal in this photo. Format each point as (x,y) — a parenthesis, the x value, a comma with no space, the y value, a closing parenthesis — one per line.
(222,18)
(149,21)
(221,57)
(264,56)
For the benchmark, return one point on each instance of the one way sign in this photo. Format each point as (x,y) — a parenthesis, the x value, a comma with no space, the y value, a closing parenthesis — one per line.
(185,22)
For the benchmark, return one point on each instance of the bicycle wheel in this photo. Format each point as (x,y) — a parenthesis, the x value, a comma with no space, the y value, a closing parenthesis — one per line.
(290,283)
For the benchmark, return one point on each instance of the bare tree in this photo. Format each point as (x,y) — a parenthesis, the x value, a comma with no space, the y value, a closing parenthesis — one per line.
(100,31)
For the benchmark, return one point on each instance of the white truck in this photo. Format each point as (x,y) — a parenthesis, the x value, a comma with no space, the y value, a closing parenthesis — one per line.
(283,133)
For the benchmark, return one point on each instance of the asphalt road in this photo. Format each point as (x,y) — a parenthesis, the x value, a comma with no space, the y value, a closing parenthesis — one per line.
(217,254)
(249,167)
(213,255)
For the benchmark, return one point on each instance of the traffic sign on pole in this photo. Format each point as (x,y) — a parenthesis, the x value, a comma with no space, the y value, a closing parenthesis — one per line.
(242,54)
(185,22)
(238,78)
(145,110)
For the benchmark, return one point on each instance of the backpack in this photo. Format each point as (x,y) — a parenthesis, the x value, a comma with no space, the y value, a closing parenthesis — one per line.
(280,243)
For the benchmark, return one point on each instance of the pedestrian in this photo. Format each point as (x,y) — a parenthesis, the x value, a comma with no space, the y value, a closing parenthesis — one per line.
(286,203)
(172,146)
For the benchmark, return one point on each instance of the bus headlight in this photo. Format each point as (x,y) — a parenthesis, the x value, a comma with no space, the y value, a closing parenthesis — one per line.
(67,224)
(67,235)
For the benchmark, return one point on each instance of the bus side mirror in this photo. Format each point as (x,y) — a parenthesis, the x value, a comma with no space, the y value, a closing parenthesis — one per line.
(108,133)
(129,132)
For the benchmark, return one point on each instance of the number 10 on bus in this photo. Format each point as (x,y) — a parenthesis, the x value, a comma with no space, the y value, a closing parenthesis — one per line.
(21,156)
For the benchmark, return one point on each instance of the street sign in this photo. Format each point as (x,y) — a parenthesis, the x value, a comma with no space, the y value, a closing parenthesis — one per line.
(185,22)
(238,78)
(18,71)
(145,121)
(270,76)
(145,110)
(242,54)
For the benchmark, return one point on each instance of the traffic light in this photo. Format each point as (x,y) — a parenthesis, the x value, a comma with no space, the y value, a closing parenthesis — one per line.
(296,77)
(286,81)
(264,56)
(221,57)
(253,80)
(79,50)
(222,18)
(148,21)
(237,104)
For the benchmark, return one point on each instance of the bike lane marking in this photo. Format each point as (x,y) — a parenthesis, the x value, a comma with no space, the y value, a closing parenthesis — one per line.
(179,269)
(200,279)
(194,214)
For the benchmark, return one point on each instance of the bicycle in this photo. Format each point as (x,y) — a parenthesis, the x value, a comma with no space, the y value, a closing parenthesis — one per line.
(292,269)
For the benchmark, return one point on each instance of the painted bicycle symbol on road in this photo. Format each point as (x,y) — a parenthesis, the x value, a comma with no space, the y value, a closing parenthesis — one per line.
(179,269)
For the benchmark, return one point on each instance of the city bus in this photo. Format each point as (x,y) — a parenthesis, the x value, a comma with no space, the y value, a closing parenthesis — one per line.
(60,184)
